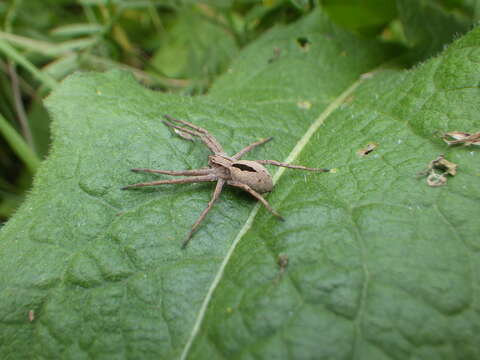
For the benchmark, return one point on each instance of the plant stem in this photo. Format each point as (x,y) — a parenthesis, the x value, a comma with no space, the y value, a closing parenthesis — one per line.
(19,146)
(14,55)
(19,108)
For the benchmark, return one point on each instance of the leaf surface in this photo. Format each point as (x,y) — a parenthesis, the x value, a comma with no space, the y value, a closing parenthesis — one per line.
(379,264)
(194,47)
(429,27)
(363,16)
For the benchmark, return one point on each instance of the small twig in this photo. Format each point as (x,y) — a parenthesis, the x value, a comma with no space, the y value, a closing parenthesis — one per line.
(19,108)
(24,86)
(156,20)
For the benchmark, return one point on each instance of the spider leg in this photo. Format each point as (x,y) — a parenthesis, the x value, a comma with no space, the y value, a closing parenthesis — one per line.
(290,166)
(181,129)
(250,147)
(207,141)
(215,196)
(190,125)
(203,171)
(203,134)
(256,195)
(187,180)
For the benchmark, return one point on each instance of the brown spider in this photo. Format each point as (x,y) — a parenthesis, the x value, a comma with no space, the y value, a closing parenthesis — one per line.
(248,175)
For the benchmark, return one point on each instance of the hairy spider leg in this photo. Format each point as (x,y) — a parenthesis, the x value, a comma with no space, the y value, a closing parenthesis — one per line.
(203,171)
(250,147)
(255,195)
(290,166)
(199,129)
(188,180)
(215,196)
(207,138)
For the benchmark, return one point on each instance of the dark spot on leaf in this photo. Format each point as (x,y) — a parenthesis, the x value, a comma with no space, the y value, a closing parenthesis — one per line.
(303,42)
(282,261)
(244,167)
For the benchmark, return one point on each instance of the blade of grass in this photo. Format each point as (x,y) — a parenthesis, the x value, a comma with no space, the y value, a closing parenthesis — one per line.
(47,48)
(14,55)
(19,146)
(11,14)
(72,30)
(156,20)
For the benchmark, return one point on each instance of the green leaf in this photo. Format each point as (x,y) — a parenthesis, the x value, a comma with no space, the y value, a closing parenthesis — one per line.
(428,27)
(379,264)
(366,17)
(195,47)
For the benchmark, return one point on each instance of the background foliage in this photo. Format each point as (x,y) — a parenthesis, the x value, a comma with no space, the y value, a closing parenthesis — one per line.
(380,265)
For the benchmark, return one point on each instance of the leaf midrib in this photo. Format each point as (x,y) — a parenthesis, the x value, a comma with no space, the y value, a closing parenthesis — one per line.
(248,223)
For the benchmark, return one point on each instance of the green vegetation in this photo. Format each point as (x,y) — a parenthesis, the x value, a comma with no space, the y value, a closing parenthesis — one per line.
(171,46)
(371,262)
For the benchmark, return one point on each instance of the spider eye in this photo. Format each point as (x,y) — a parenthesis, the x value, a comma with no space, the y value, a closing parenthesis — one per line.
(244,167)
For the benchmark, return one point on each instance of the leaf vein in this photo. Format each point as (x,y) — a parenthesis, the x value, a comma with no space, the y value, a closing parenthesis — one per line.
(291,157)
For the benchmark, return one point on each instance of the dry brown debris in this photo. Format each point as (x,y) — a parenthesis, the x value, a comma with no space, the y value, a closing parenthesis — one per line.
(461,138)
(367,149)
(438,170)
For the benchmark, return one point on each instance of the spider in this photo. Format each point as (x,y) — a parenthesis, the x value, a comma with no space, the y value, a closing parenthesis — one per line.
(249,175)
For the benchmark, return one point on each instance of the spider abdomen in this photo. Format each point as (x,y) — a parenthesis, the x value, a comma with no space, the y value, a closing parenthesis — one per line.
(252,174)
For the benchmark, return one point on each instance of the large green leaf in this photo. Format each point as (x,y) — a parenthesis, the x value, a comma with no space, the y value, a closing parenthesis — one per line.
(379,264)
(428,27)
(367,16)
(194,47)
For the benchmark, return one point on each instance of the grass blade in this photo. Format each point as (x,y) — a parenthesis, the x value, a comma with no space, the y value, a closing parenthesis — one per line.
(19,145)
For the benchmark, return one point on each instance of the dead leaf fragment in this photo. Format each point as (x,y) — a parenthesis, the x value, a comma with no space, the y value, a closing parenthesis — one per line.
(444,165)
(31,315)
(438,170)
(435,179)
(367,149)
(463,138)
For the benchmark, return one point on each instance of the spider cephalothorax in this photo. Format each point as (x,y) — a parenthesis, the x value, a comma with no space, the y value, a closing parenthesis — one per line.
(248,175)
